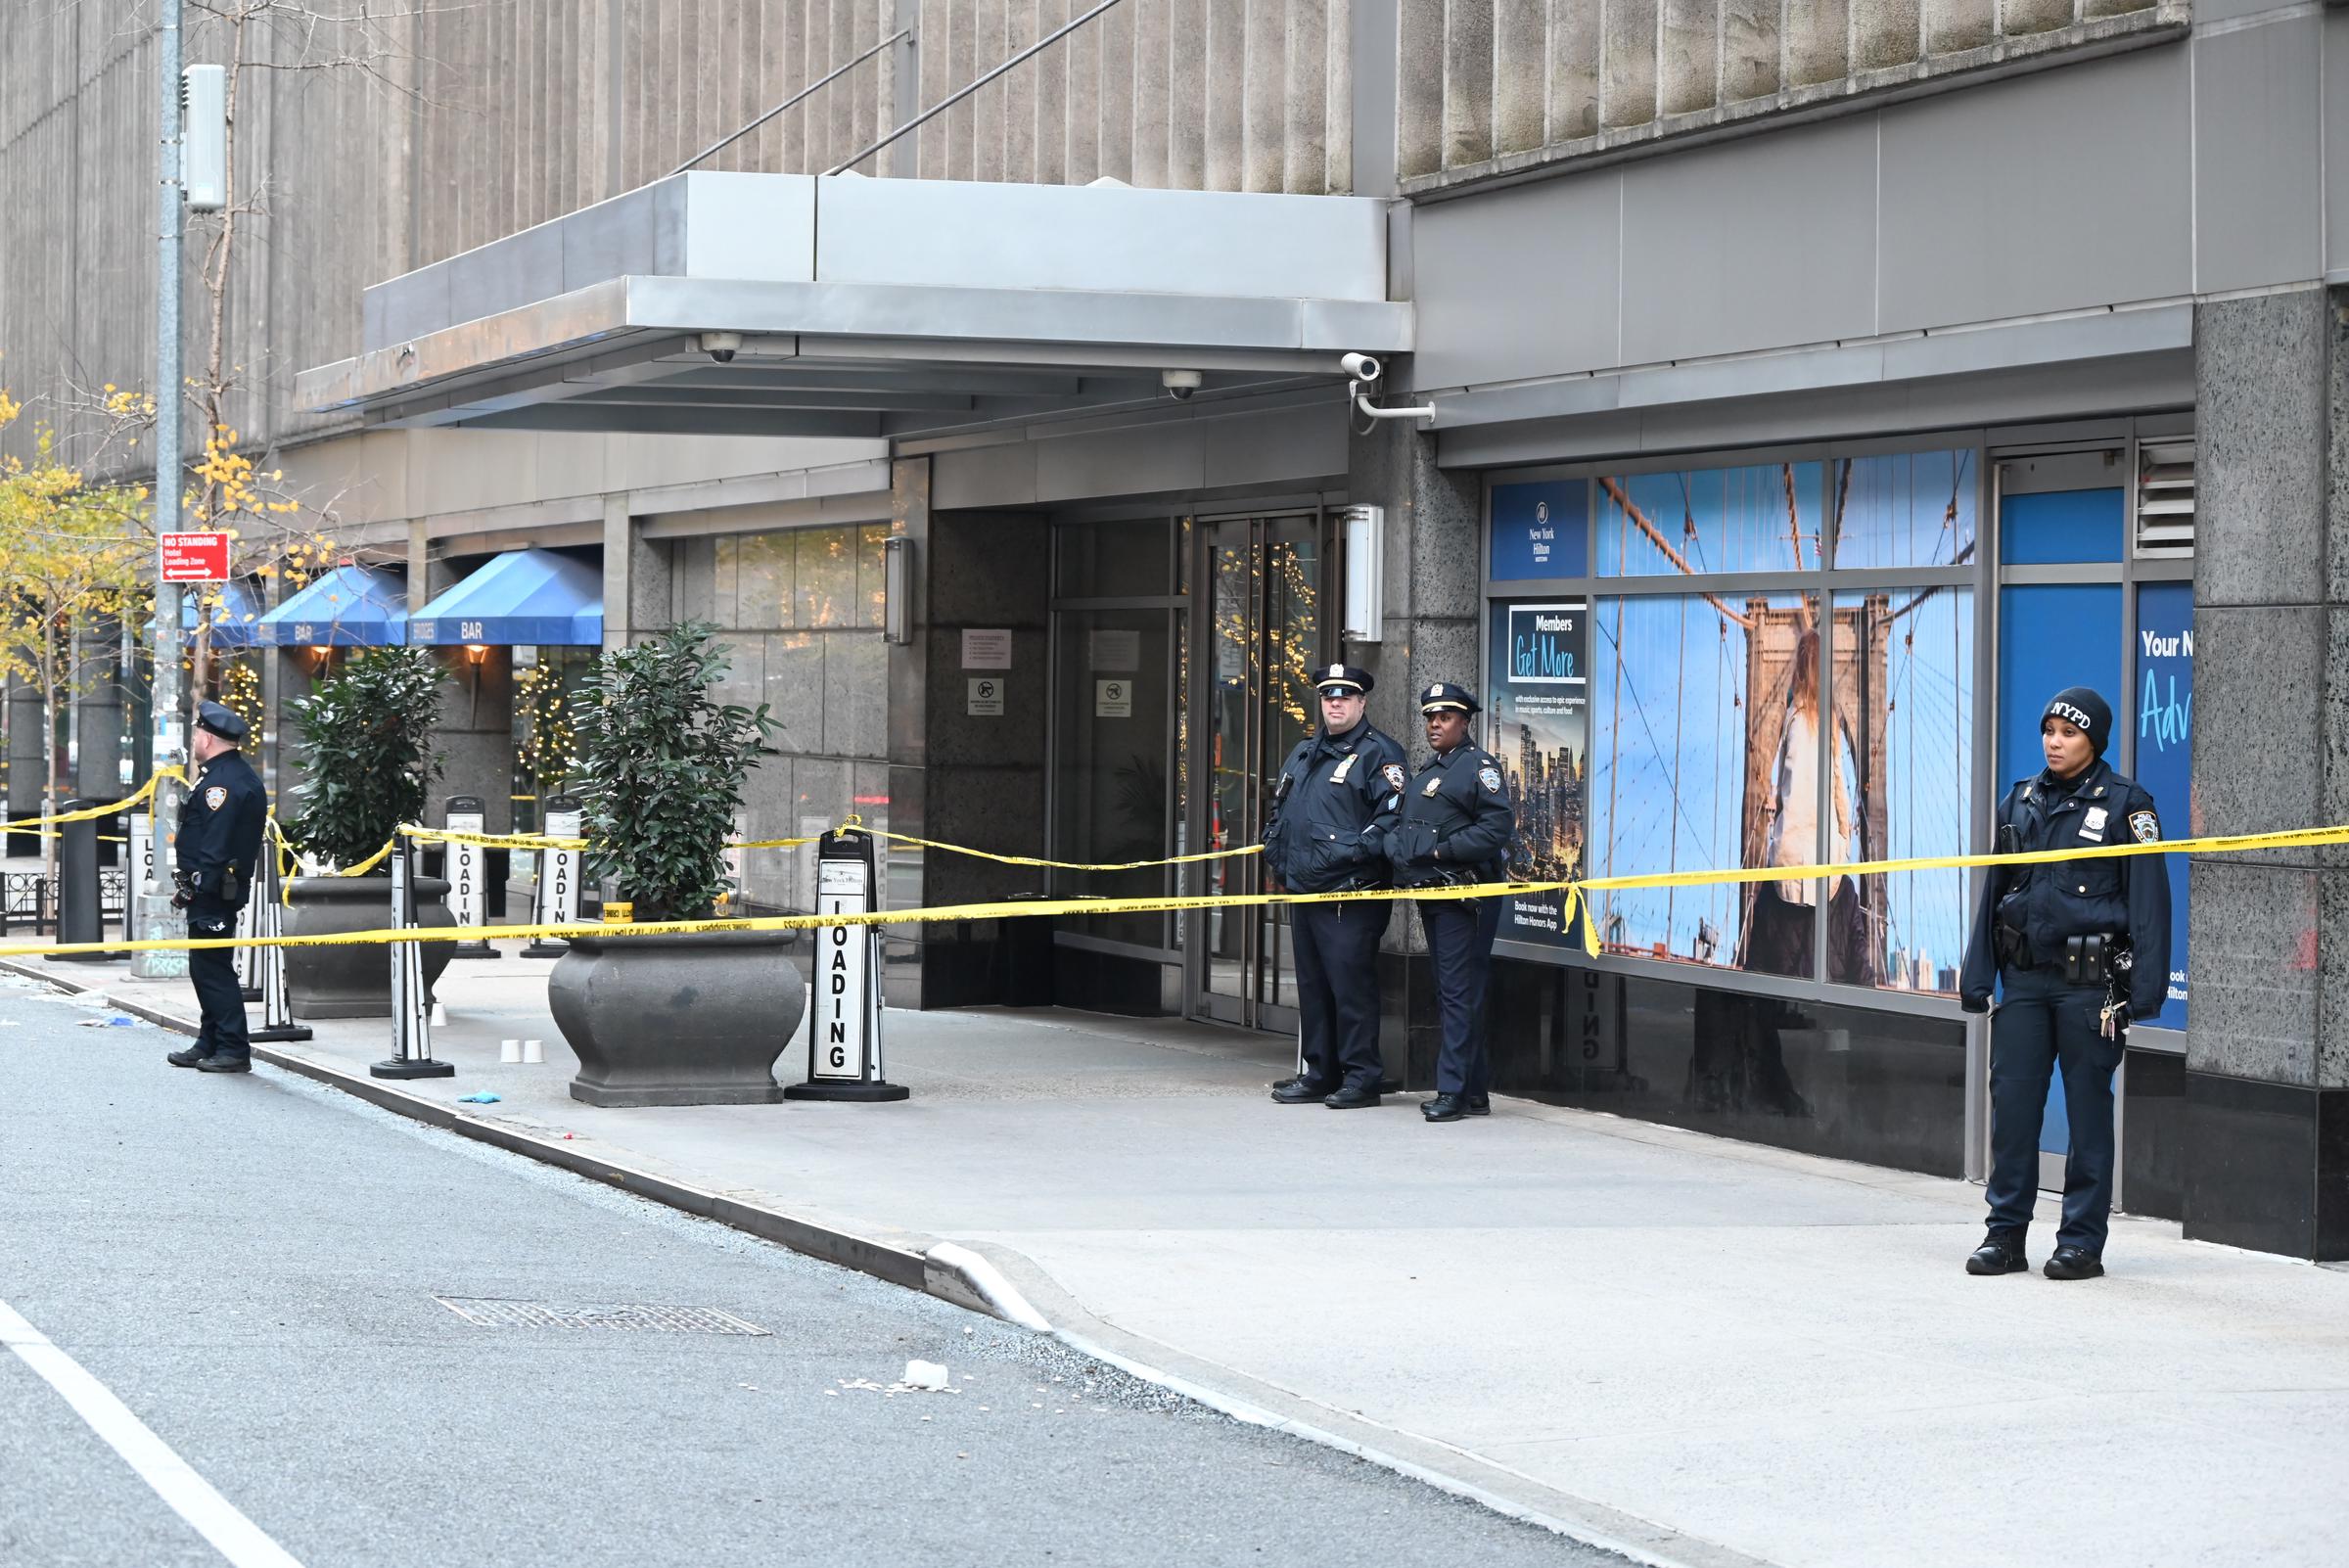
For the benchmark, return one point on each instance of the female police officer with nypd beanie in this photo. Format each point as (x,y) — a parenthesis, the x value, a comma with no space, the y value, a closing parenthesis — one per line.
(2076,948)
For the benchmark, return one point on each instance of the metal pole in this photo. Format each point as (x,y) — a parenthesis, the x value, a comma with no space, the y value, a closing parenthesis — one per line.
(804,93)
(956,97)
(166,699)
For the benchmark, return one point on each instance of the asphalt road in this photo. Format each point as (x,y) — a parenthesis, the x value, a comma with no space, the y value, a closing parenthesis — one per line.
(254,1267)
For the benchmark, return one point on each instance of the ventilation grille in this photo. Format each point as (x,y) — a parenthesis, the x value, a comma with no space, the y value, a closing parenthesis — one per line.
(2165,499)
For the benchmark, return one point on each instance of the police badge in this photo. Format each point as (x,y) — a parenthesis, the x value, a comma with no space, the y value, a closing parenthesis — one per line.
(1490,777)
(215,798)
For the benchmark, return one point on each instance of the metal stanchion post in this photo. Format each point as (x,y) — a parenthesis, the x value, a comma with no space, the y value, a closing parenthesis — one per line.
(277,1015)
(844,1012)
(555,895)
(411,1008)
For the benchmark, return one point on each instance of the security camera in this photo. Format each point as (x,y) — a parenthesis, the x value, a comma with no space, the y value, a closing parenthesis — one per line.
(1180,384)
(1361,367)
(720,346)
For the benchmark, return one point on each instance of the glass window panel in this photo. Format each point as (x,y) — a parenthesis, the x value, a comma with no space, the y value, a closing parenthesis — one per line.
(2050,635)
(1537,722)
(825,593)
(1706,753)
(763,582)
(2165,731)
(1541,528)
(1112,799)
(2059,525)
(1115,560)
(1903,684)
(1762,518)
(1905,509)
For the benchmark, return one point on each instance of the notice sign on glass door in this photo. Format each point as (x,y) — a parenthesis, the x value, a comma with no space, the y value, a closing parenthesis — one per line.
(1113,699)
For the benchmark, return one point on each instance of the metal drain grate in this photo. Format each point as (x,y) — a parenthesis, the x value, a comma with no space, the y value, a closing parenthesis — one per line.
(628,1317)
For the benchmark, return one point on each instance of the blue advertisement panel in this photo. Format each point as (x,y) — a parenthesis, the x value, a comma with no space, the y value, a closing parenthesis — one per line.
(1537,718)
(2164,655)
(1541,528)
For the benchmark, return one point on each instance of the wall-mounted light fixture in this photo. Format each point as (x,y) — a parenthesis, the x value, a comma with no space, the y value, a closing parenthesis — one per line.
(475,653)
(319,655)
(896,589)
(1363,539)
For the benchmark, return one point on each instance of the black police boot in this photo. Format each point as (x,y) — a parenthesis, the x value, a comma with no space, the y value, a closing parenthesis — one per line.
(1353,1096)
(1300,1091)
(1479,1105)
(1446,1108)
(190,1057)
(225,1064)
(2000,1253)
(2074,1263)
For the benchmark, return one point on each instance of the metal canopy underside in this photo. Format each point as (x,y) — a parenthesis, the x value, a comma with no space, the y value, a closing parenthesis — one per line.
(870,309)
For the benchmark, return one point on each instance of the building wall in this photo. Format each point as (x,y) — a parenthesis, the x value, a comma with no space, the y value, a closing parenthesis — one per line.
(1496,87)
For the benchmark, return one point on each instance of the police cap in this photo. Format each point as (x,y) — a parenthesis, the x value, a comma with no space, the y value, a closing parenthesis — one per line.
(1445,695)
(1344,681)
(222,721)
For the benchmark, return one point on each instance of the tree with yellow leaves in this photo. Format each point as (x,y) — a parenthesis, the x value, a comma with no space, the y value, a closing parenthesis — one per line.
(71,556)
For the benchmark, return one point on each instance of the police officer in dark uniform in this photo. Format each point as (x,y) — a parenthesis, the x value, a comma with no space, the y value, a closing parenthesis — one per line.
(219,837)
(1455,830)
(1337,797)
(2078,947)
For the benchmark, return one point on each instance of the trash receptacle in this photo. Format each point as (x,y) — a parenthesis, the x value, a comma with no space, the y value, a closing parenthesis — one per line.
(1026,949)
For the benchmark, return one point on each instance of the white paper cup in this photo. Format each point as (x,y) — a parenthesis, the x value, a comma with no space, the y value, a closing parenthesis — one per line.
(534,1050)
(509,1050)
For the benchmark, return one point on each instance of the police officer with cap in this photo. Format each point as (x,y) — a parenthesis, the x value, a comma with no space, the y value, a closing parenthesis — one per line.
(2077,948)
(219,838)
(1455,831)
(1338,796)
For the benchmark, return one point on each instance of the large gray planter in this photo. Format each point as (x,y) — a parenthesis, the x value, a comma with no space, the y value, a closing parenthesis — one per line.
(692,1020)
(354,980)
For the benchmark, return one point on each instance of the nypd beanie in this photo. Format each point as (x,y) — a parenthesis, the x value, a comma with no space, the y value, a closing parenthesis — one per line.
(2082,707)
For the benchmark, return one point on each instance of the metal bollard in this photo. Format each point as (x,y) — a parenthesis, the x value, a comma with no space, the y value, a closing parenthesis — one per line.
(79,915)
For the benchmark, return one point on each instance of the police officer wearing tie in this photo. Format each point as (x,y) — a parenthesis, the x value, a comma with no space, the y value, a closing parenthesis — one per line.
(219,838)
(1338,796)
(2077,948)
(1455,830)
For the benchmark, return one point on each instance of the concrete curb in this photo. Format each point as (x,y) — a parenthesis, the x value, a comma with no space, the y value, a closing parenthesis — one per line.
(968,1279)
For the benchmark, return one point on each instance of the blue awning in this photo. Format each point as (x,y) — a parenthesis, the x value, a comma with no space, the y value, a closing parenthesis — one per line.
(234,606)
(522,599)
(350,606)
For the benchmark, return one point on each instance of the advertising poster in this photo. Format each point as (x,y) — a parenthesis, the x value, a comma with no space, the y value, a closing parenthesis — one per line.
(2164,657)
(1540,529)
(1537,722)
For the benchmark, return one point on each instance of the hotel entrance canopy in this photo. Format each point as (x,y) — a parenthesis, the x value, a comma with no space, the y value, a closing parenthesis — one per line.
(870,307)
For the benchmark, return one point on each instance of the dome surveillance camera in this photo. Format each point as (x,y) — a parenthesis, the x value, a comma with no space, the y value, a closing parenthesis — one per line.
(1361,367)
(720,346)
(1180,384)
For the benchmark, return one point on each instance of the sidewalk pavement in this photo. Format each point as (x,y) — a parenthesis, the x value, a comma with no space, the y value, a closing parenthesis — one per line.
(1704,1351)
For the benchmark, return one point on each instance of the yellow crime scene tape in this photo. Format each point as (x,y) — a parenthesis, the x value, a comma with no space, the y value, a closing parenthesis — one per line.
(1575,891)
(87,813)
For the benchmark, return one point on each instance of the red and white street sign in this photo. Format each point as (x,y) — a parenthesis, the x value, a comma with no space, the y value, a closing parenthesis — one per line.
(195,558)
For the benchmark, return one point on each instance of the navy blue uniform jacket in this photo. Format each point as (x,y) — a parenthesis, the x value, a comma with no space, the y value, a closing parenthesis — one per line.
(1456,821)
(220,829)
(2126,895)
(1333,804)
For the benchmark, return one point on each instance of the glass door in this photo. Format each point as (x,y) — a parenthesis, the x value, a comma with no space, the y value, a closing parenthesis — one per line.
(1260,640)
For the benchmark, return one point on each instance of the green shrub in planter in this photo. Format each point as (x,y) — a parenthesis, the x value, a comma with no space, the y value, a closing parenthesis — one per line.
(365,766)
(664,765)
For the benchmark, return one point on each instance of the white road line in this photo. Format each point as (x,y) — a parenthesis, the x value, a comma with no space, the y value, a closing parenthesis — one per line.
(191,1497)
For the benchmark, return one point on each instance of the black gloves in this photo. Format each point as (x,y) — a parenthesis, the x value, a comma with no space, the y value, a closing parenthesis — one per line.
(1975,1002)
(183,889)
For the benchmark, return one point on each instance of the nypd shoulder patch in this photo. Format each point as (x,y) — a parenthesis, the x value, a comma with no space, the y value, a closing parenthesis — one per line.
(1490,777)
(2145,826)
(1392,772)
(215,798)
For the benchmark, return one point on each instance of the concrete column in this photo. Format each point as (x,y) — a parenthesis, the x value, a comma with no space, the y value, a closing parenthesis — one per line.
(1431,632)
(2267,1156)
(617,542)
